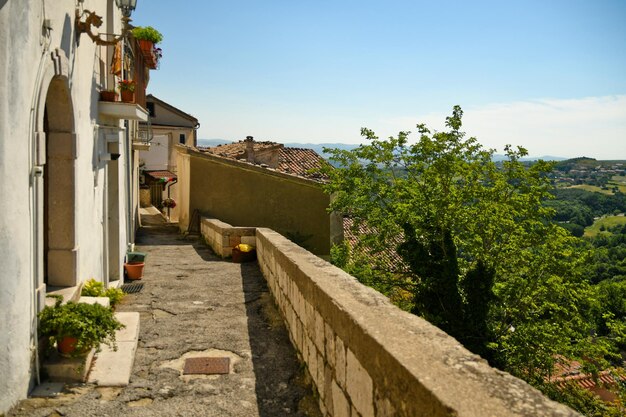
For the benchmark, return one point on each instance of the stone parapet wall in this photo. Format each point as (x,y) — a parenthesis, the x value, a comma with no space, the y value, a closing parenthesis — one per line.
(222,237)
(368,358)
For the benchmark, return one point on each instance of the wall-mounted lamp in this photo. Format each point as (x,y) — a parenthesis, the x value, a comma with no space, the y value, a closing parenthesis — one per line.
(92,19)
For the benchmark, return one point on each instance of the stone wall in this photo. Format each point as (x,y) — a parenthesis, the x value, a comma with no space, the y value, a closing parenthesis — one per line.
(368,358)
(245,194)
(223,237)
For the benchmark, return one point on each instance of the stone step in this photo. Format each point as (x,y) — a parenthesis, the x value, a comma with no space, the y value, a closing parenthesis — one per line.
(63,369)
(103,301)
(113,368)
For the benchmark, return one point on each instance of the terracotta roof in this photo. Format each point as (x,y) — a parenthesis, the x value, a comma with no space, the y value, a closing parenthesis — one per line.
(292,161)
(161,174)
(389,258)
(299,161)
(572,372)
(237,150)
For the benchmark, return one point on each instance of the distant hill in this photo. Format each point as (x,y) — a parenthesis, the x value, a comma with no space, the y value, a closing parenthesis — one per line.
(212,142)
(499,157)
(588,163)
(317,147)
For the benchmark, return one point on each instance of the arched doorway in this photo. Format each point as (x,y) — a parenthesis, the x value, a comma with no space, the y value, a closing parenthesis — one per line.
(60,254)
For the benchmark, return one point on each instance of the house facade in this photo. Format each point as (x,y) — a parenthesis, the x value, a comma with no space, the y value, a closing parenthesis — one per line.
(168,127)
(67,165)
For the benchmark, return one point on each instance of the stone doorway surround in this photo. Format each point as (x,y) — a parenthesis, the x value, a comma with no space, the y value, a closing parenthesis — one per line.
(56,151)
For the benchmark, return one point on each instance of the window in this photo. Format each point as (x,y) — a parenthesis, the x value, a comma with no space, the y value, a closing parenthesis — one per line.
(181,139)
(150,107)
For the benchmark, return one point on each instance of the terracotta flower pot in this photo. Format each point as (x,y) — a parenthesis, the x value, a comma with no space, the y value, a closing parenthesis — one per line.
(134,270)
(241,257)
(67,345)
(108,96)
(128,96)
(146,46)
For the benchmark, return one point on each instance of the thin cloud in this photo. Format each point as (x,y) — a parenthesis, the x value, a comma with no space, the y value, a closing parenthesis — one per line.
(591,126)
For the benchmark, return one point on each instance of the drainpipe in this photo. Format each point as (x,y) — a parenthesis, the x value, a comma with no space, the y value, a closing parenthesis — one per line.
(195,134)
(130,215)
(130,218)
(168,194)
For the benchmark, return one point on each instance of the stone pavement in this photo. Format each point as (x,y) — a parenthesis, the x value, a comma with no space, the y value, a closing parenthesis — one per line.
(196,304)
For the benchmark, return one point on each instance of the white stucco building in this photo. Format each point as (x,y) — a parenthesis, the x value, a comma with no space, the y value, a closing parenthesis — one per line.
(68,170)
(169,127)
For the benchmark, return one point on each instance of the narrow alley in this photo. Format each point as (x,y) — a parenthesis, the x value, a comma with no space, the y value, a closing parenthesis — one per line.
(194,304)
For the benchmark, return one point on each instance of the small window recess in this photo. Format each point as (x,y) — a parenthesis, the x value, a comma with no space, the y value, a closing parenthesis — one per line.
(150,108)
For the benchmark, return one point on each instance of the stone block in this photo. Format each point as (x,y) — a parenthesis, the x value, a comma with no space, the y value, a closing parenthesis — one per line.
(319,332)
(359,386)
(312,360)
(309,319)
(320,375)
(327,390)
(298,334)
(340,359)
(103,301)
(322,406)
(384,407)
(249,240)
(305,347)
(298,302)
(281,278)
(329,347)
(234,241)
(341,406)
(63,267)
(60,369)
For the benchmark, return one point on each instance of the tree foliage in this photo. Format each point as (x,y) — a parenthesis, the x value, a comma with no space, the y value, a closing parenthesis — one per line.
(487,263)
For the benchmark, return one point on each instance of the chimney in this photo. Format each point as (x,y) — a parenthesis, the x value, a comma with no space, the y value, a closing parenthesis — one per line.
(249,148)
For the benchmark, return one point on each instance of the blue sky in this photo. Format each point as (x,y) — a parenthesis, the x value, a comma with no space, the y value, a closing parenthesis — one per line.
(546,75)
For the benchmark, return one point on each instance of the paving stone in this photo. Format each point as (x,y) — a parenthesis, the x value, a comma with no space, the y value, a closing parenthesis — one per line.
(48,390)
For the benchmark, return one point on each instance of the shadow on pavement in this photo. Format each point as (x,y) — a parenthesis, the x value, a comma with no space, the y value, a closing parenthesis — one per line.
(279,377)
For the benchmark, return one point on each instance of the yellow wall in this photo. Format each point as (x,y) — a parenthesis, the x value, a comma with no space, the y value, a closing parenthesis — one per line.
(248,195)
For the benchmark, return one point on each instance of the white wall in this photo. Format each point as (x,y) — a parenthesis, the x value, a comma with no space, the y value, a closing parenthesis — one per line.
(156,159)
(26,68)
(15,225)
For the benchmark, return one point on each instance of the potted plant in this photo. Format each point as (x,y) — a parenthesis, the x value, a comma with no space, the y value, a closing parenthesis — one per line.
(127,89)
(76,328)
(134,269)
(147,37)
(93,288)
(243,253)
(108,95)
(168,203)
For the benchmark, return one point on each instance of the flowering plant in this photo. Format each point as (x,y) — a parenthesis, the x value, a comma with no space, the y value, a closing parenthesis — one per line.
(169,202)
(158,52)
(127,85)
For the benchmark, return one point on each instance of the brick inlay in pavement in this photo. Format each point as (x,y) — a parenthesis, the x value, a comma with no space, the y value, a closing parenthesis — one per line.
(207,366)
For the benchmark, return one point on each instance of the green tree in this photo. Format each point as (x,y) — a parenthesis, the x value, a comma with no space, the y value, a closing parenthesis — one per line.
(488,265)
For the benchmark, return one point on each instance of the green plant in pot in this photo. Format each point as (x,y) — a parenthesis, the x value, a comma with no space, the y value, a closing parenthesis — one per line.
(76,328)
(127,90)
(147,33)
(93,288)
